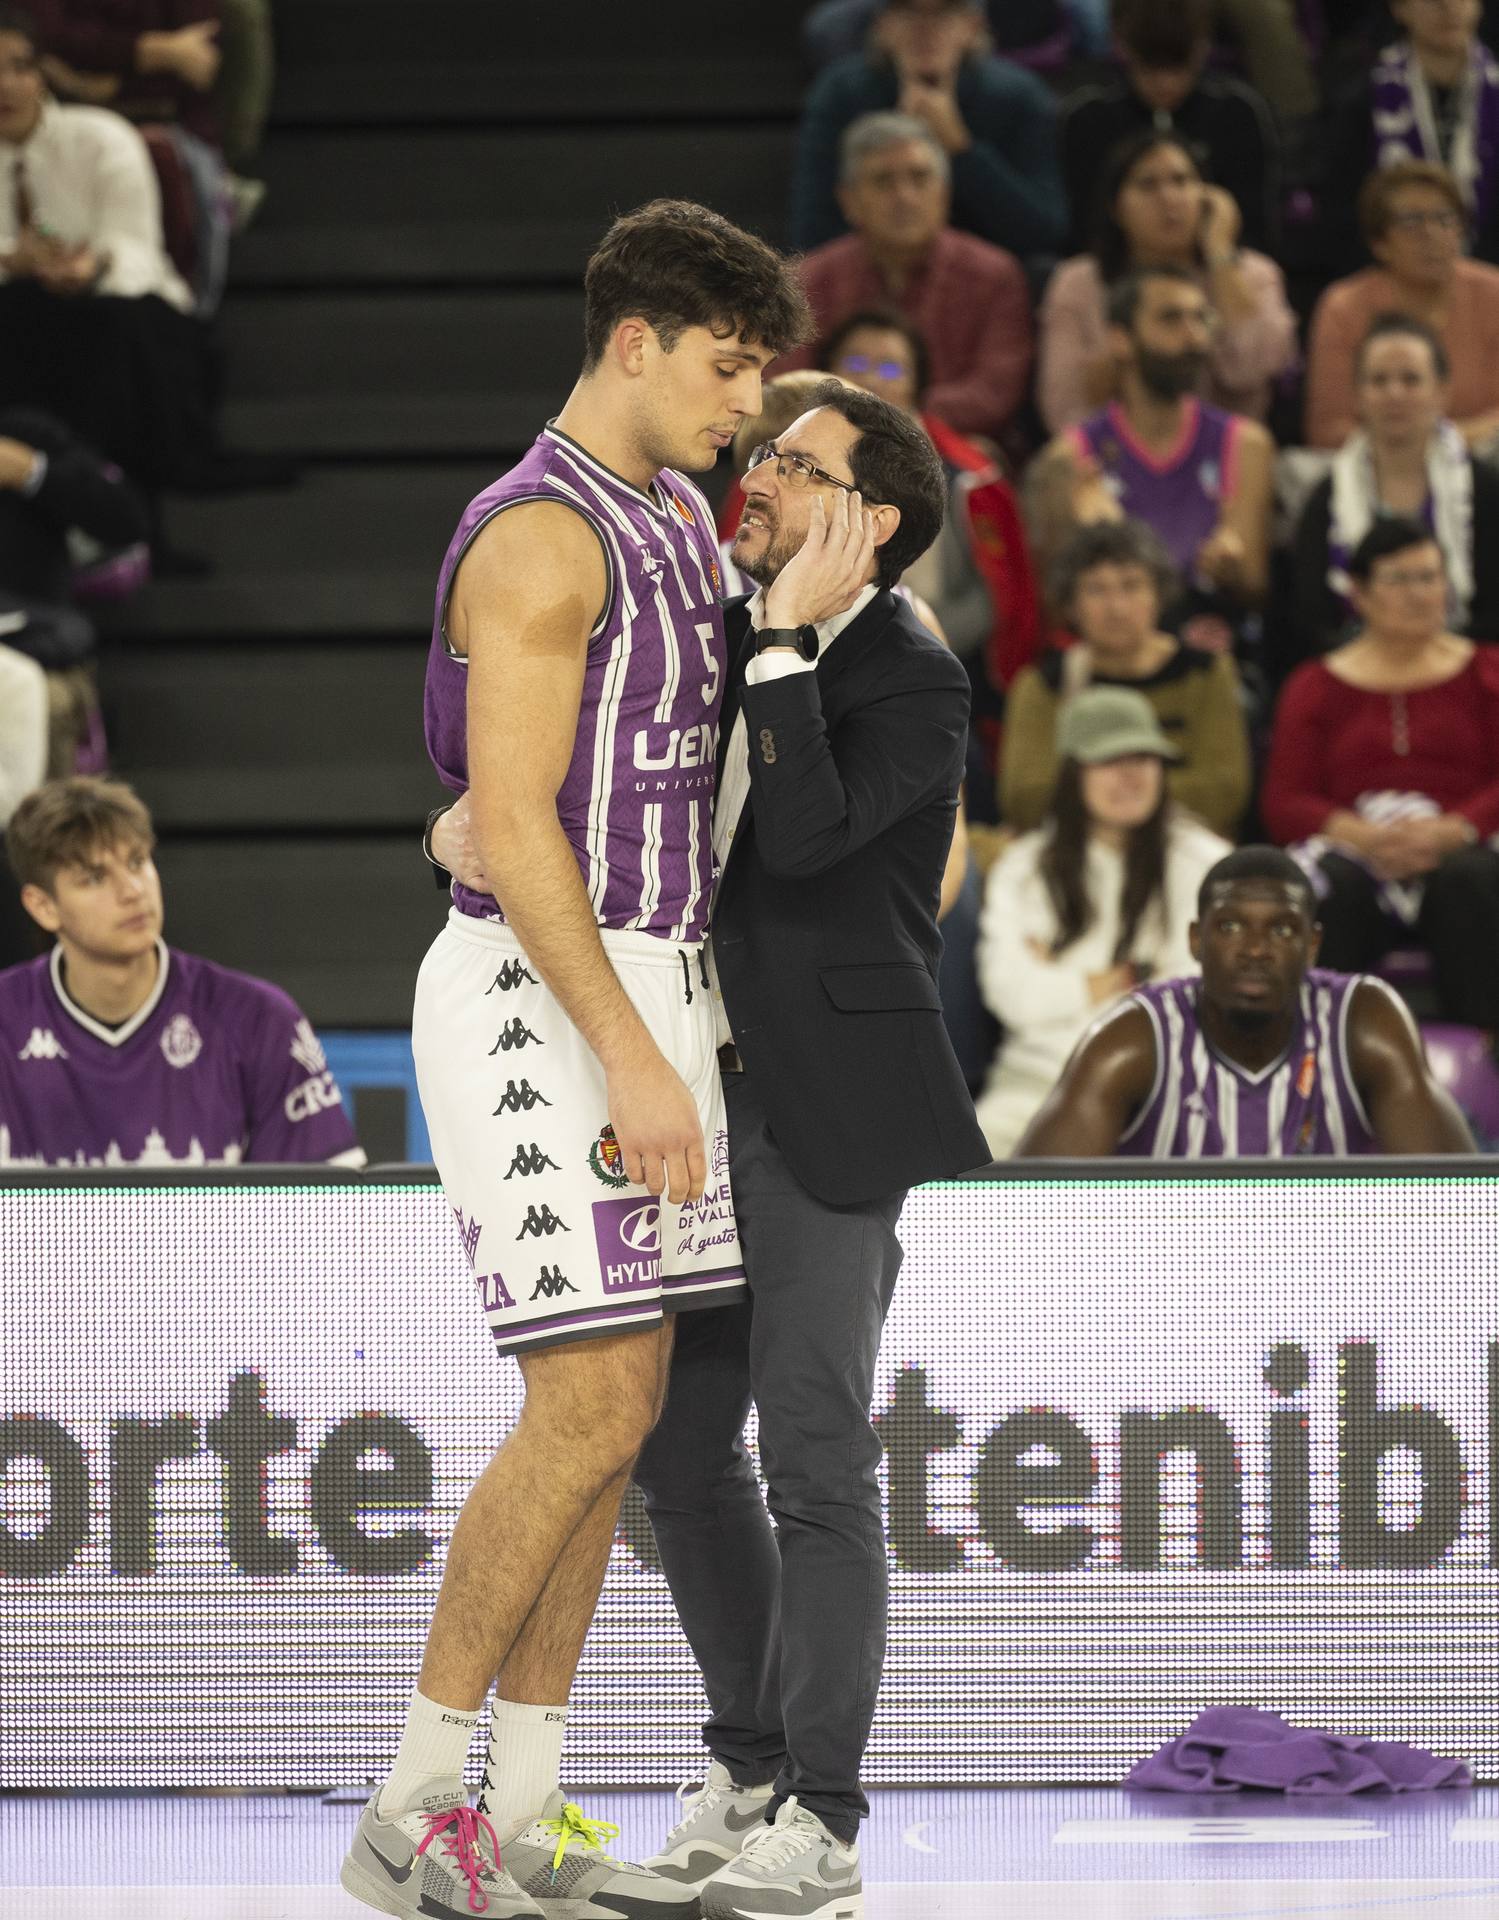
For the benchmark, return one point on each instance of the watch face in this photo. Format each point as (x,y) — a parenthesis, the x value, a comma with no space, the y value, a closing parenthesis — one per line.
(806,642)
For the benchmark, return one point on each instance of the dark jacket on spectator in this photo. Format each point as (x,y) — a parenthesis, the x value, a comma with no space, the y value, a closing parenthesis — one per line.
(99,36)
(1314,619)
(1006,188)
(1226,119)
(78,490)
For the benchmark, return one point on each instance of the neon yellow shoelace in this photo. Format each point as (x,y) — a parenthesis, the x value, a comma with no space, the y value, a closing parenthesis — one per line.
(575,1827)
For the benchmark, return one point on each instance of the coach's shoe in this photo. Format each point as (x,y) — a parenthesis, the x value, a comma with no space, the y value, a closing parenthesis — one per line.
(441,1862)
(717,1819)
(794,1870)
(560,1861)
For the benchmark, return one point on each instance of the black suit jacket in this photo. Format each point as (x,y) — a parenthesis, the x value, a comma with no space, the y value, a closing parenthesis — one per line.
(825,926)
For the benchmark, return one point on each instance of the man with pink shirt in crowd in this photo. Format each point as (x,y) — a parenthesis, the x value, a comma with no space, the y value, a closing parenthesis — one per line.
(969,300)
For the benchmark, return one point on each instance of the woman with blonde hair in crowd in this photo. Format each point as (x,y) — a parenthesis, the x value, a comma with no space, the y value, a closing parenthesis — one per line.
(1089,905)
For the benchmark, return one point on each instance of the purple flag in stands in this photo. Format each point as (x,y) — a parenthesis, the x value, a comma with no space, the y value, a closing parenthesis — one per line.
(1228,1748)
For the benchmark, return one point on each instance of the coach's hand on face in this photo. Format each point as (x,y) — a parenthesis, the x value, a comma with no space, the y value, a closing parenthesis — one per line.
(834,562)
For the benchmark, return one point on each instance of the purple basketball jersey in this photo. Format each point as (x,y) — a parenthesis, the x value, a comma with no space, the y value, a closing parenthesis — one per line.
(1178,494)
(216,1067)
(637,800)
(1203,1107)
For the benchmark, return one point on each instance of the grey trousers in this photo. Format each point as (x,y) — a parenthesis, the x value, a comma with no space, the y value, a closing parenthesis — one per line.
(787,1624)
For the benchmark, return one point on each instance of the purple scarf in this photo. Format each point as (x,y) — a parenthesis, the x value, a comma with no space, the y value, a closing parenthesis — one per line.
(1405,122)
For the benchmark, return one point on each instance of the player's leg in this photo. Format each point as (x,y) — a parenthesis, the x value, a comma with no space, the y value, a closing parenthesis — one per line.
(529,1715)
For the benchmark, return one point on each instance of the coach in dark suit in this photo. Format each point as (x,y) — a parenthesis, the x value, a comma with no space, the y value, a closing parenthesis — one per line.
(841,752)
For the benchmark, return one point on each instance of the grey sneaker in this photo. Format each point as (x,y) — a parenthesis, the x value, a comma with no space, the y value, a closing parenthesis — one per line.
(559,1860)
(440,1863)
(795,1868)
(717,1819)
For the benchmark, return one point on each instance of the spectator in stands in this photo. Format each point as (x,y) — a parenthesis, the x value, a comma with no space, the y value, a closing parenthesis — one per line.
(1164,46)
(116,1049)
(997,124)
(1156,210)
(1200,477)
(836,28)
(94,322)
(977,574)
(1404,458)
(1384,771)
(1412,217)
(1110,582)
(1094,902)
(156,62)
(1264,1054)
(968,300)
(1431,95)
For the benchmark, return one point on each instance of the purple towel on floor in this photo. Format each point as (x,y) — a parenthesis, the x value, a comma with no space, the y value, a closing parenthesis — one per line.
(1227,1748)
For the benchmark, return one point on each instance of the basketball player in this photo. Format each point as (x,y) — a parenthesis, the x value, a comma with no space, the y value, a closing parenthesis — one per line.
(1265,1054)
(564,1033)
(118,1050)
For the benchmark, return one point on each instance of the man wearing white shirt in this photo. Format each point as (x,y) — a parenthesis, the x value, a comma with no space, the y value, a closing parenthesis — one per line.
(94,318)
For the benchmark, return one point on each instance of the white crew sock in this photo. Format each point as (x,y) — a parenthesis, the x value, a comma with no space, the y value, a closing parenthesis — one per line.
(524,1764)
(430,1759)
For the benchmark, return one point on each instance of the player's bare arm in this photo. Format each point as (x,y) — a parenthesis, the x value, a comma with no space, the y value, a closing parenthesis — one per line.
(1408,1111)
(527,596)
(1102,1088)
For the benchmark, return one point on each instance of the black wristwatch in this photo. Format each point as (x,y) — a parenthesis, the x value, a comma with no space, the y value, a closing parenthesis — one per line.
(804,639)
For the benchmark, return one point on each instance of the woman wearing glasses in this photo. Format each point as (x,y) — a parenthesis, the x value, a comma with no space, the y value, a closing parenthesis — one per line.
(1413,221)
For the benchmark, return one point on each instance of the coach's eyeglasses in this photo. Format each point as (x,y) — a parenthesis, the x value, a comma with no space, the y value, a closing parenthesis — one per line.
(794,468)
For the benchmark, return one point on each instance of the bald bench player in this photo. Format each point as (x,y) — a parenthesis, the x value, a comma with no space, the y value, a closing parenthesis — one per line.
(1265,1054)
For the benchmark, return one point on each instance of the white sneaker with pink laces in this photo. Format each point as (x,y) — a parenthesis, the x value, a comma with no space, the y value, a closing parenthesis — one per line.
(439,1863)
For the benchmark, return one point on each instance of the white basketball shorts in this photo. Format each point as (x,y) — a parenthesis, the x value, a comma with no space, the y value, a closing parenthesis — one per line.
(562,1245)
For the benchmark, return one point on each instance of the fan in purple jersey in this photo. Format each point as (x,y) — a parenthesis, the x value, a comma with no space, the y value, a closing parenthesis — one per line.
(1266,1055)
(117,1050)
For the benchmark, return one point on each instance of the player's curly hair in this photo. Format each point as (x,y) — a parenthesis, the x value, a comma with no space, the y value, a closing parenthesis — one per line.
(678,265)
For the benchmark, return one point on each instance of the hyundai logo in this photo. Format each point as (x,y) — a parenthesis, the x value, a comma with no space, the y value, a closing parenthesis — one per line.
(641,1228)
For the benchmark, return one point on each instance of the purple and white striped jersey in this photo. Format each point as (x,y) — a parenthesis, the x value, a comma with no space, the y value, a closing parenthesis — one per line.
(637,800)
(1203,1107)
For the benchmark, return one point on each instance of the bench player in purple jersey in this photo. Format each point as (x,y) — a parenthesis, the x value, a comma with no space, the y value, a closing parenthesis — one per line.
(1265,1055)
(117,1050)
(564,1032)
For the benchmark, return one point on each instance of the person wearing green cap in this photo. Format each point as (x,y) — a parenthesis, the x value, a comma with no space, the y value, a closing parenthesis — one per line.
(1089,905)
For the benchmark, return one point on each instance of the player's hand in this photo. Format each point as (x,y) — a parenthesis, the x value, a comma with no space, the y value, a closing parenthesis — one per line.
(454,847)
(833,564)
(655,1121)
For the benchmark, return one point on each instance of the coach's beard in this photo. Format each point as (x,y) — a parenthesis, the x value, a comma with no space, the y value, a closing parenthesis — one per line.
(766,567)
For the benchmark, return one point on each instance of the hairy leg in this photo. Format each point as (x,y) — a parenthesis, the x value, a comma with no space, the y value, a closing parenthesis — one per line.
(588,1407)
(544,1656)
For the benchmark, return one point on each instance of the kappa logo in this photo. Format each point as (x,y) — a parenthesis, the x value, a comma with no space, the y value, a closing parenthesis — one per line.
(519,1099)
(531,1160)
(607,1161)
(651,565)
(552,1285)
(509,977)
(540,1222)
(43,1045)
(307,1049)
(517,1034)
(181,1041)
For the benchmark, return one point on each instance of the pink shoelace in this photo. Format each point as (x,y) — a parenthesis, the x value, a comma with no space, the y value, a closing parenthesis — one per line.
(462,1843)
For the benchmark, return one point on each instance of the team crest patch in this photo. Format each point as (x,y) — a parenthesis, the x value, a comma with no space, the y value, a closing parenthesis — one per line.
(181,1041)
(1307,1078)
(607,1161)
(717,580)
